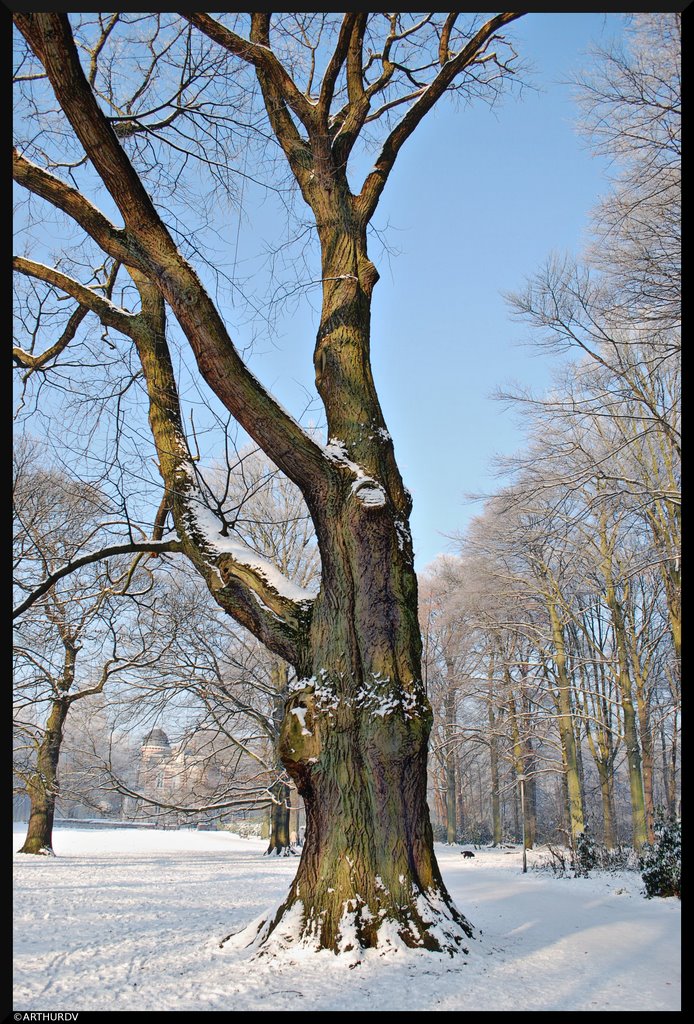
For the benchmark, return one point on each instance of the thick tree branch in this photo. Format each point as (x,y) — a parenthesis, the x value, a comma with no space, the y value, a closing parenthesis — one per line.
(35,179)
(444,52)
(373,186)
(109,314)
(296,149)
(243,584)
(351,25)
(259,414)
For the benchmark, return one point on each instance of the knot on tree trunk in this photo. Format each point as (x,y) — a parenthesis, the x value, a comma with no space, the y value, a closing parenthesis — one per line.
(299,742)
(368,275)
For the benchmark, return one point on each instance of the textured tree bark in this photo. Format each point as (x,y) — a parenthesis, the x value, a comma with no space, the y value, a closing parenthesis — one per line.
(43,785)
(354,736)
(354,740)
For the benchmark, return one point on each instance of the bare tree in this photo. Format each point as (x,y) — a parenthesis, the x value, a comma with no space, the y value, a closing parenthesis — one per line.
(356,724)
(73,641)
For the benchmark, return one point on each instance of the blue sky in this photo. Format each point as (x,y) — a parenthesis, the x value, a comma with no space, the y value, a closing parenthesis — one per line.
(476,202)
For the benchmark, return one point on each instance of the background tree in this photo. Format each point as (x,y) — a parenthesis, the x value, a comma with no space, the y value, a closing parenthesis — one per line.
(75,638)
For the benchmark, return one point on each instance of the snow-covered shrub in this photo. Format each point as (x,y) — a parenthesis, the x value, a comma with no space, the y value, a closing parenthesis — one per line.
(245,829)
(661,861)
(618,858)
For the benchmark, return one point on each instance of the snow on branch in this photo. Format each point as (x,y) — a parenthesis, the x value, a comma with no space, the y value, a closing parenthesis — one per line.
(269,584)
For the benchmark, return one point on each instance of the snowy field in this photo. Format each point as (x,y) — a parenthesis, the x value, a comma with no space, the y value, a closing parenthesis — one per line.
(131,920)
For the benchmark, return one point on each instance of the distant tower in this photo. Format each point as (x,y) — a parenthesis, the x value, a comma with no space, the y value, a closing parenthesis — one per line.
(155,748)
(155,755)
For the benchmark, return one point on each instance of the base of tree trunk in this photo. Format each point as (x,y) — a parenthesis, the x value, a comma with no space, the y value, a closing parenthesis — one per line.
(38,847)
(431,924)
(280,851)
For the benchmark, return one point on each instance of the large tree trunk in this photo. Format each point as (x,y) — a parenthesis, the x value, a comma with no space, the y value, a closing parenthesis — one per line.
(354,739)
(43,784)
(354,736)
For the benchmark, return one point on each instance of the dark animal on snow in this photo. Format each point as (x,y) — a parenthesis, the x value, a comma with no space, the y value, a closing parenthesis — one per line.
(467,853)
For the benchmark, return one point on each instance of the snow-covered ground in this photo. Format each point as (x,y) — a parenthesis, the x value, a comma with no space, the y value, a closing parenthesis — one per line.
(132,919)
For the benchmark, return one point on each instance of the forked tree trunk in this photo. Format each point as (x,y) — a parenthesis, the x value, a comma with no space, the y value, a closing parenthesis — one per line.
(354,735)
(42,787)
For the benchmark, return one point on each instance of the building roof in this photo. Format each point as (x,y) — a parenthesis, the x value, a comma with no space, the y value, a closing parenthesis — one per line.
(156,738)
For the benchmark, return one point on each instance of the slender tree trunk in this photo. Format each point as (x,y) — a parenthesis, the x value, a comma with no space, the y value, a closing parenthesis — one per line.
(520,766)
(43,784)
(461,805)
(530,795)
(668,756)
(517,828)
(565,799)
(631,736)
(631,742)
(646,766)
(451,790)
(494,764)
(439,788)
(607,795)
(672,789)
(566,729)
(279,820)
(451,802)
(665,767)
(494,760)
(279,840)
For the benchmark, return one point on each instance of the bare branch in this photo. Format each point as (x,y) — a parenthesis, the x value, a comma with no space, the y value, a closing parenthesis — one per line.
(154,547)
(375,182)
